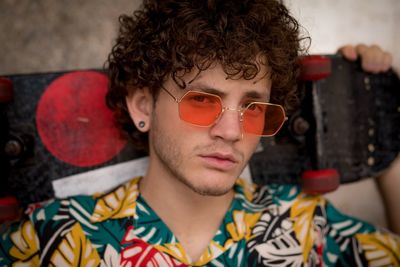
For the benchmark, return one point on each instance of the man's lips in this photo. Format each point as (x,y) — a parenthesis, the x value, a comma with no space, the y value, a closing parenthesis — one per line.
(221,161)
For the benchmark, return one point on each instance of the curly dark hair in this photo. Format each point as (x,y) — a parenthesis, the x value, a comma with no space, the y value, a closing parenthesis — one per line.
(169,38)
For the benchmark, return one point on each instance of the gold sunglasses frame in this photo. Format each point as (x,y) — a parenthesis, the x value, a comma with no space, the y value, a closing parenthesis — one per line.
(223,109)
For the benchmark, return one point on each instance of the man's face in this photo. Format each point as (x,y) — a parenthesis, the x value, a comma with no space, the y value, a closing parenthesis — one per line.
(205,159)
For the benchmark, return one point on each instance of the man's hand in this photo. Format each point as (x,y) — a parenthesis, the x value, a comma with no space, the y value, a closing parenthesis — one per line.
(373,58)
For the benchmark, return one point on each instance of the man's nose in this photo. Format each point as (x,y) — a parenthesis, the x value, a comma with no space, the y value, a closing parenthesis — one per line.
(228,126)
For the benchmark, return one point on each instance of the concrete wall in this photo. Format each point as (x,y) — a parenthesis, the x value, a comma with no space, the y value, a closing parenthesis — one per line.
(332,23)
(45,35)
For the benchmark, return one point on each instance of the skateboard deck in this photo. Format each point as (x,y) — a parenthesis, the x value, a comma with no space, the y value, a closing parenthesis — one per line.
(348,121)
(56,130)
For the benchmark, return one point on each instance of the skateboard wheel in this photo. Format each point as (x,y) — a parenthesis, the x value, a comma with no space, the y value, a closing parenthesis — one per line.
(314,68)
(9,209)
(6,90)
(320,181)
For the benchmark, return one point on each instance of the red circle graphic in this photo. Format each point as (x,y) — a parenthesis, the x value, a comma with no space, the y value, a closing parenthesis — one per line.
(74,122)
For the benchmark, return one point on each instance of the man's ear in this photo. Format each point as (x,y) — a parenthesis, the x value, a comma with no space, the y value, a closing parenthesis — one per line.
(140,107)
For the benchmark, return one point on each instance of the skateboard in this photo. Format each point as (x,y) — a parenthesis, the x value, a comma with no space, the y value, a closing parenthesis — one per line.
(346,129)
(57,132)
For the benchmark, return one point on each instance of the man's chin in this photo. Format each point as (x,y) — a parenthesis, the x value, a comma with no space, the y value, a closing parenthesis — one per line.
(212,192)
(208,182)
(212,187)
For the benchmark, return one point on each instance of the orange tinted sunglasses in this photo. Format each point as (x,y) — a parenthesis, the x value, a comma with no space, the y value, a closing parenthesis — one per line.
(204,109)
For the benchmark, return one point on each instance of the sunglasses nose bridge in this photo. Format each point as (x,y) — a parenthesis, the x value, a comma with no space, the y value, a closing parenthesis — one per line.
(239,122)
(240,110)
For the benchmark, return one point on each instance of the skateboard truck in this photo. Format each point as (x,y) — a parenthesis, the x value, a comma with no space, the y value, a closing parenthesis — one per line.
(300,126)
(319,180)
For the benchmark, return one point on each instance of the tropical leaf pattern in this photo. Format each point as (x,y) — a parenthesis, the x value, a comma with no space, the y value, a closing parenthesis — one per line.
(274,225)
(117,204)
(242,224)
(380,249)
(139,253)
(75,250)
(302,214)
(25,247)
(111,257)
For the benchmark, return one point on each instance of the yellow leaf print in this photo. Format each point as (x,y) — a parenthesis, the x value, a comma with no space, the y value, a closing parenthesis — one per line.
(75,250)
(302,213)
(26,245)
(380,249)
(242,224)
(248,188)
(212,252)
(117,204)
(176,250)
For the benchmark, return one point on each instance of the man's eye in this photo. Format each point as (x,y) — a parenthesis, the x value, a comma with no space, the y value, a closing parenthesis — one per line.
(199,98)
(256,108)
(251,106)
(203,99)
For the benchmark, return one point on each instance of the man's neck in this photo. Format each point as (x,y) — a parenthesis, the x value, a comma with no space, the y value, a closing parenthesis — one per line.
(179,199)
(193,218)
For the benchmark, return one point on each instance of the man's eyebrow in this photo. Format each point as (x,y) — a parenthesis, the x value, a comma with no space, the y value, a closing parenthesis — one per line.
(207,89)
(256,95)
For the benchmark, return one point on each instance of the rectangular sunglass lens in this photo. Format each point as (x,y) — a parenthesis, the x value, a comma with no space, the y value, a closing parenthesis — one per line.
(263,119)
(254,118)
(199,108)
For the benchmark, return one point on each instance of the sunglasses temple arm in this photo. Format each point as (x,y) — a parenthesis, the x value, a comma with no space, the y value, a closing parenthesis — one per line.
(176,99)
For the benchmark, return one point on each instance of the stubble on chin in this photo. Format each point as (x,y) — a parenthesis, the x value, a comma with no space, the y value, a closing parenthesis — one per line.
(168,150)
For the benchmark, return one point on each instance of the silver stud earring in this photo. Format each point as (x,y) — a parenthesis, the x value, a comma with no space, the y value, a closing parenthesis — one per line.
(141,124)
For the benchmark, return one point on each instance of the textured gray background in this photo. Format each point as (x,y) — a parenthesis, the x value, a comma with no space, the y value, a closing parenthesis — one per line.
(44,35)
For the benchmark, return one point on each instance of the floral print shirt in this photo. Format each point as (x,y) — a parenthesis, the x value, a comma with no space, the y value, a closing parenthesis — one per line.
(274,225)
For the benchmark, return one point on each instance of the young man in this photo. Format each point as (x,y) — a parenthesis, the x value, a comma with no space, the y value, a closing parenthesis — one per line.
(197,83)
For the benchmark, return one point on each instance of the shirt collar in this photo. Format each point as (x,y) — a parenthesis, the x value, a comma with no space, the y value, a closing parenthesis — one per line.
(124,201)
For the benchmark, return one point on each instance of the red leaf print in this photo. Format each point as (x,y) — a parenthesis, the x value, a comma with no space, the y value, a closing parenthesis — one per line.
(142,254)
